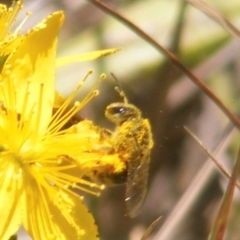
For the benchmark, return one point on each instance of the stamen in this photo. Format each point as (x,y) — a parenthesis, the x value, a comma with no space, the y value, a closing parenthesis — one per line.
(39,108)
(24,106)
(60,113)
(54,175)
(24,132)
(45,208)
(28,14)
(63,120)
(67,181)
(103,76)
(60,118)
(9,17)
(91,94)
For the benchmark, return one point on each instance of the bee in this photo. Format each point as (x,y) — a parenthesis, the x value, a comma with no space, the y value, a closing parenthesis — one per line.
(132,140)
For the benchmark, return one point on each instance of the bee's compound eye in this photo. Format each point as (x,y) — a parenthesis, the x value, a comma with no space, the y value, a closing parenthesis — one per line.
(116,110)
(116,114)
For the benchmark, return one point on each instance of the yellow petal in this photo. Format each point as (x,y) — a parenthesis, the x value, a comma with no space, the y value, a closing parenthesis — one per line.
(9,45)
(85,56)
(32,69)
(11,189)
(57,214)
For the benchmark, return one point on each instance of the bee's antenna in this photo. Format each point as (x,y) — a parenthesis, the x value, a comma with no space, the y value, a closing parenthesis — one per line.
(119,89)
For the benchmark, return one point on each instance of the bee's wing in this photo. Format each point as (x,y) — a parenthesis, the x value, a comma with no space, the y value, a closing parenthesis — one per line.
(136,186)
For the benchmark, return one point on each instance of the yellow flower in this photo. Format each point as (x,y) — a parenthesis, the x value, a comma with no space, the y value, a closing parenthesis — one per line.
(8,41)
(43,155)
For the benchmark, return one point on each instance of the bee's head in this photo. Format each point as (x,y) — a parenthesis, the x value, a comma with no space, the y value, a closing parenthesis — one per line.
(122,112)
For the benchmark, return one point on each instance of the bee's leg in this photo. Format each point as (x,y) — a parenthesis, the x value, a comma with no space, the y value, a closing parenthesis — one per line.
(105,140)
(105,133)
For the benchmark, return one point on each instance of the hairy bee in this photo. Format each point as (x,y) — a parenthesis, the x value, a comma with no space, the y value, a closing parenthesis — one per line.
(132,140)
